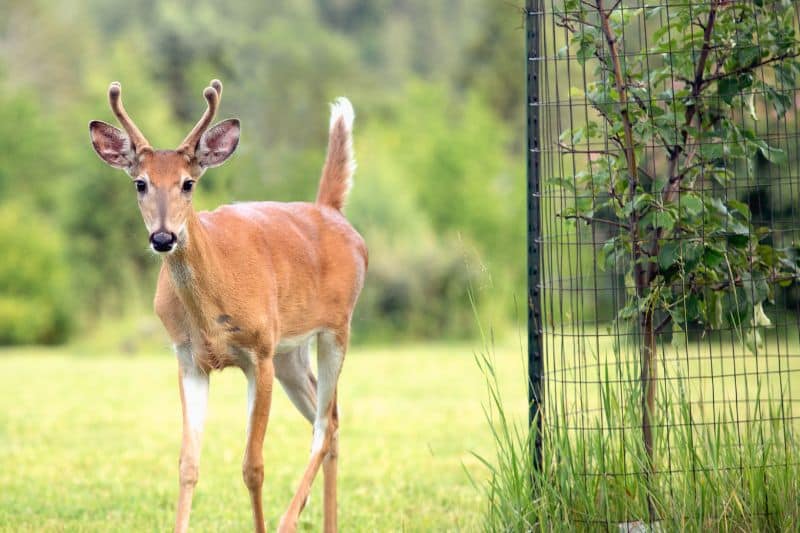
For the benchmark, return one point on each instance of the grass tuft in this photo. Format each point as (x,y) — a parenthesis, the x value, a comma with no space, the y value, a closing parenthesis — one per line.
(728,466)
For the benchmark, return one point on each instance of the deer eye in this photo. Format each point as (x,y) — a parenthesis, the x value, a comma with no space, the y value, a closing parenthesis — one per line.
(187,185)
(141,186)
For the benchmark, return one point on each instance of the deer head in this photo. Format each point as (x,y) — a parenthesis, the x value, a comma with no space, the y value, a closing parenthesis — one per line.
(164,179)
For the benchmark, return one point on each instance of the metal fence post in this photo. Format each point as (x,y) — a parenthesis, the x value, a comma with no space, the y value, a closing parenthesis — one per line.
(535,362)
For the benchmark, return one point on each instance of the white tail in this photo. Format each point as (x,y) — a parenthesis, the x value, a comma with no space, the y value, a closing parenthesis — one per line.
(337,174)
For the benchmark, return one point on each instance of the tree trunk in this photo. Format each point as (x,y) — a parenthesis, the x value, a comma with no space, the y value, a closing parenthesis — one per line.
(647,381)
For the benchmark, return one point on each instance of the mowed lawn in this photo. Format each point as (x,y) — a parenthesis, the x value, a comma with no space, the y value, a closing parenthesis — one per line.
(90,443)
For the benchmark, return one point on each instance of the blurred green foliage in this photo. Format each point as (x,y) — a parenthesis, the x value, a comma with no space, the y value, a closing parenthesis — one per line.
(35,301)
(438,194)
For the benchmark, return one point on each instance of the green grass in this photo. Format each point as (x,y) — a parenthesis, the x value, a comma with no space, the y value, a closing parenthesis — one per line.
(90,442)
(712,473)
(89,439)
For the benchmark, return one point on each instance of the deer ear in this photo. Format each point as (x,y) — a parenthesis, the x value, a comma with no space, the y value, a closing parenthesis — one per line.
(112,145)
(218,143)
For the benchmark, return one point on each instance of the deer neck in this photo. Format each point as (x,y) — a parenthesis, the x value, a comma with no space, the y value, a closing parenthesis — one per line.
(191,268)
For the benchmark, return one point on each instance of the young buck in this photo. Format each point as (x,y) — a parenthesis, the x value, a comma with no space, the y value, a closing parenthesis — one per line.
(248,285)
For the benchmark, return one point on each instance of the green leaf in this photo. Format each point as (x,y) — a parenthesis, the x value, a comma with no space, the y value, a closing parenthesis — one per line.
(780,100)
(755,287)
(682,252)
(734,227)
(691,203)
(712,258)
(624,16)
(691,308)
(773,155)
(740,207)
(661,219)
(587,47)
(721,175)
(751,108)
(712,150)
(760,318)
(747,54)
(768,255)
(653,11)
(714,313)
(669,254)
(738,241)
(639,203)
(564,183)
(717,204)
(727,89)
(784,74)
(609,254)
(630,310)
(692,252)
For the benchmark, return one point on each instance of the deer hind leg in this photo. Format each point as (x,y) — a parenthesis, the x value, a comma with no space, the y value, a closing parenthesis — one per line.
(329,468)
(193,383)
(293,370)
(330,355)
(259,399)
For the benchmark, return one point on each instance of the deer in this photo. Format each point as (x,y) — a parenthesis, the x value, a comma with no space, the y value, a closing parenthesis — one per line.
(248,285)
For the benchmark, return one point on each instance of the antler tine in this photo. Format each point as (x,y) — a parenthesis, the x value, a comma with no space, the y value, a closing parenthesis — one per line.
(115,99)
(212,94)
(217,85)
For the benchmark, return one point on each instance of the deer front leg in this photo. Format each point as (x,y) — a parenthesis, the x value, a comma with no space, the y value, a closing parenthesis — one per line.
(193,384)
(259,399)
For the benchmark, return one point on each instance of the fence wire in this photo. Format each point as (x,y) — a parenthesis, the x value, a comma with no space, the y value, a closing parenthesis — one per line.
(726,389)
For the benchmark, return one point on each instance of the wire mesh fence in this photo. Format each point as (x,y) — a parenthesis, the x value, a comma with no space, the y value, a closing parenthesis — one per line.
(664,155)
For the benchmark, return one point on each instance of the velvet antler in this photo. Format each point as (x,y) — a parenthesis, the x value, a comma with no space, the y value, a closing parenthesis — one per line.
(213,95)
(115,99)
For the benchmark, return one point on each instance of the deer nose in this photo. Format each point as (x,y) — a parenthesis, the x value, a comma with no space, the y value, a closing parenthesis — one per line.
(163,241)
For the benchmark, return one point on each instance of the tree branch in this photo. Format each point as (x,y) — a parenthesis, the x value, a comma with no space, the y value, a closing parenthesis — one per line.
(740,70)
(589,220)
(663,324)
(571,150)
(673,183)
(738,282)
(628,147)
